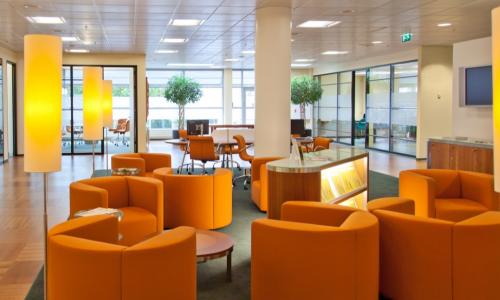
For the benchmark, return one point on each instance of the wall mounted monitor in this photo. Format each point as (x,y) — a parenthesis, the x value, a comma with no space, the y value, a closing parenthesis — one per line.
(478,86)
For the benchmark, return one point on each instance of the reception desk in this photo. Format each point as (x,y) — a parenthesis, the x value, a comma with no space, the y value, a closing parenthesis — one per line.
(338,175)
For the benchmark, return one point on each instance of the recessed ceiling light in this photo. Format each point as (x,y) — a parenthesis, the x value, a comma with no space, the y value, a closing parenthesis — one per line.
(78,50)
(300,65)
(248,52)
(232,59)
(318,24)
(46,20)
(70,39)
(166,51)
(377,42)
(304,60)
(292,40)
(185,22)
(87,42)
(189,65)
(334,52)
(174,40)
(444,24)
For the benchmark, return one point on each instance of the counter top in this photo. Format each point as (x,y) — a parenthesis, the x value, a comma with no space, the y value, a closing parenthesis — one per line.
(316,161)
(466,141)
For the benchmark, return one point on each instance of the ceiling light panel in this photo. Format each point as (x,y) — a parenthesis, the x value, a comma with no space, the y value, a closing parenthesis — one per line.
(318,24)
(185,22)
(174,40)
(46,20)
(334,52)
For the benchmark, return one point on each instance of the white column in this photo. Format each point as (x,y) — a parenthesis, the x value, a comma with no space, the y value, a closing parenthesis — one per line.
(228,96)
(495,35)
(272,81)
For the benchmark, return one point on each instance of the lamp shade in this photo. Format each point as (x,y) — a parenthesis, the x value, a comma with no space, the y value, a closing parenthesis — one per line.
(42,103)
(495,35)
(107,103)
(92,103)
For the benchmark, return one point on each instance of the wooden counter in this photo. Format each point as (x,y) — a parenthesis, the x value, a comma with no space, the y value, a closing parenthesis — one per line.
(338,175)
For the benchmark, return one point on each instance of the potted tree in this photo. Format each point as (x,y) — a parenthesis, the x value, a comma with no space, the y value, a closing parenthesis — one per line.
(305,90)
(181,91)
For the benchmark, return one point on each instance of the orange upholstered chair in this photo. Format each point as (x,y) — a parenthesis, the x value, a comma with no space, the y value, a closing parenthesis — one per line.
(428,258)
(139,198)
(202,148)
(448,194)
(201,201)
(316,251)
(146,162)
(244,155)
(259,181)
(85,262)
(321,143)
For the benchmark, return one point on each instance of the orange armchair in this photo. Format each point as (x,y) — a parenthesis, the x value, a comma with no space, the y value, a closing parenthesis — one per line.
(201,201)
(317,251)
(139,198)
(259,181)
(448,194)
(84,262)
(427,258)
(146,162)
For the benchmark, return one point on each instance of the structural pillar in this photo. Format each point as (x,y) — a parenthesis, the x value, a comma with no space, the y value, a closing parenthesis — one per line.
(272,80)
(228,96)
(495,42)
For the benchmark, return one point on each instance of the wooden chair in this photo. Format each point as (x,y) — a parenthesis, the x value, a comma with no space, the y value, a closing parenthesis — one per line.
(202,148)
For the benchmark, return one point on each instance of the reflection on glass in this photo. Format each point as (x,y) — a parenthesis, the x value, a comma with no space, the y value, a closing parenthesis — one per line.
(326,122)
(378,107)
(345,108)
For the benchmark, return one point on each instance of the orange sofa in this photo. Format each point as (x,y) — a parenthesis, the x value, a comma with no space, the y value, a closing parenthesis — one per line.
(448,194)
(201,201)
(259,181)
(316,251)
(139,198)
(146,162)
(85,262)
(428,258)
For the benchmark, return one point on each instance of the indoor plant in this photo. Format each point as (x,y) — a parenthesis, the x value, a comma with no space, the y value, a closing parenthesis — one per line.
(182,90)
(305,90)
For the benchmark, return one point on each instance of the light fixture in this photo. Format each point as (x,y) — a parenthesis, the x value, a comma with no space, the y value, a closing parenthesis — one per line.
(445,24)
(318,24)
(334,52)
(377,42)
(174,40)
(87,42)
(78,50)
(292,40)
(92,107)
(46,20)
(189,65)
(42,114)
(185,22)
(300,65)
(70,38)
(304,60)
(248,52)
(495,60)
(166,51)
(107,112)
(232,59)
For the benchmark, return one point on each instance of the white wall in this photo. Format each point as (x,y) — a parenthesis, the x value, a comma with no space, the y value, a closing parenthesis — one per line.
(476,122)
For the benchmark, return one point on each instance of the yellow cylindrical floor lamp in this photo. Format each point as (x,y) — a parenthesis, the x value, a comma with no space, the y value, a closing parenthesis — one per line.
(107,112)
(495,54)
(92,107)
(42,114)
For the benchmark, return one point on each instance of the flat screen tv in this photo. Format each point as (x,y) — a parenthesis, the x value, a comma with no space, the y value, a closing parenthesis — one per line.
(197,127)
(478,86)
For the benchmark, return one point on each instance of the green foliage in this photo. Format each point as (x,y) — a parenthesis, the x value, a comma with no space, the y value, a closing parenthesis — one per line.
(306,90)
(182,90)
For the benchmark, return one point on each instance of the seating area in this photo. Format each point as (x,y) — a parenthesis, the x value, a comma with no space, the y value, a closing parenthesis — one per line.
(250,150)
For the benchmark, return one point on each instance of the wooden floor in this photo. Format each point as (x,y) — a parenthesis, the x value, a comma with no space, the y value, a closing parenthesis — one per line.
(21,205)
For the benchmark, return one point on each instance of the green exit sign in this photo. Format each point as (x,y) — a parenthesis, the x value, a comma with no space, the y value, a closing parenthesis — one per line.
(406,37)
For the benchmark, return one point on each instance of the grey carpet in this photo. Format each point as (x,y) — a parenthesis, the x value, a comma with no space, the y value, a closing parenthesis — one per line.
(211,275)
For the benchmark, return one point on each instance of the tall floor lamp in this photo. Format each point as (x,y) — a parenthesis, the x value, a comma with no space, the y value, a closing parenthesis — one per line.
(42,114)
(495,42)
(92,107)
(107,112)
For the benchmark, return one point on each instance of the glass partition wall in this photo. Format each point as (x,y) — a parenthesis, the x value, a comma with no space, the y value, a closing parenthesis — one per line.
(1,112)
(374,108)
(243,91)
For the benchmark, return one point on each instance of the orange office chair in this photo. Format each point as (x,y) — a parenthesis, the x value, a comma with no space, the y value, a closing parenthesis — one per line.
(319,143)
(202,148)
(242,152)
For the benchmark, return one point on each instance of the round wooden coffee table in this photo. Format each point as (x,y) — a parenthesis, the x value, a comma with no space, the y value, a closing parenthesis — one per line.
(211,245)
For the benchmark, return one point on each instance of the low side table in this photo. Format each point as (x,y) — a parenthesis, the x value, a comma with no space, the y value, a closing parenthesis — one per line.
(211,245)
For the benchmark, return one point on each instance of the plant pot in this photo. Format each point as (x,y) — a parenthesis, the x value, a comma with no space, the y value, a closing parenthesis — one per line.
(175,134)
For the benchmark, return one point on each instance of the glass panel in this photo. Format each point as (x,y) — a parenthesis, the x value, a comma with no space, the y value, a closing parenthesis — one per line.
(80,145)
(237,115)
(327,107)
(377,110)
(360,108)
(66,110)
(11,91)
(249,106)
(329,79)
(380,73)
(249,78)
(237,101)
(1,112)
(406,69)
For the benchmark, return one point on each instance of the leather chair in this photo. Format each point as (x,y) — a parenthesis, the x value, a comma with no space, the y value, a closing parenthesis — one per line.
(259,181)
(448,194)
(242,152)
(201,201)
(139,198)
(146,162)
(428,258)
(316,251)
(321,143)
(85,262)
(202,148)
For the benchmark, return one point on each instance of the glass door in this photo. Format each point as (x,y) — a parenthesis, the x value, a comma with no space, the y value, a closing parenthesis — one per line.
(11,107)
(378,107)
(1,111)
